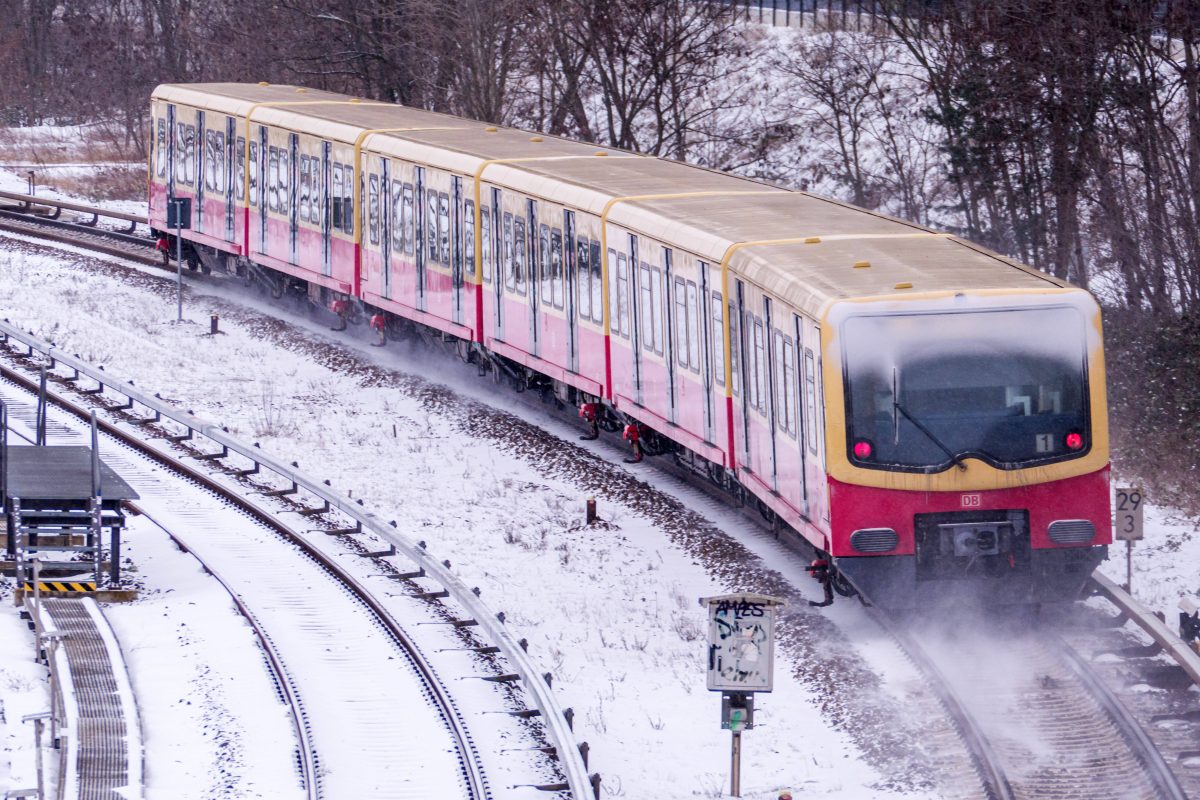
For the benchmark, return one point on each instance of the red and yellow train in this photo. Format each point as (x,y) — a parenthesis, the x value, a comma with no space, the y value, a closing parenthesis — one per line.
(925,413)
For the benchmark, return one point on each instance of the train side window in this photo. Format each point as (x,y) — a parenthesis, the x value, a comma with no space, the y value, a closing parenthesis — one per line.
(305,187)
(760,367)
(646,328)
(469,237)
(544,267)
(693,331)
(510,267)
(623,290)
(408,221)
(240,178)
(285,182)
(444,226)
(735,349)
(317,190)
(785,408)
(212,160)
(431,239)
(597,284)
(584,299)
(373,207)
(718,333)
(160,149)
(810,398)
(556,268)
(397,217)
(347,200)
(681,336)
(519,252)
(659,301)
(273,178)
(790,386)
(338,188)
(485,236)
(253,173)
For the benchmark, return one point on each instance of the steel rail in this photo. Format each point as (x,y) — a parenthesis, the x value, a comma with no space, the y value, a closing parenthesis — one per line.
(1164,637)
(472,770)
(557,722)
(1164,780)
(983,757)
(73,227)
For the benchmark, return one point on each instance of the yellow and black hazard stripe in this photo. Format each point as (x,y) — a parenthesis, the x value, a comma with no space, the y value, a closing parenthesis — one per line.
(62,586)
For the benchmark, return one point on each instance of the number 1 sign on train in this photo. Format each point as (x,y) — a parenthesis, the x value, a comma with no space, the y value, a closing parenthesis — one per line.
(1129,505)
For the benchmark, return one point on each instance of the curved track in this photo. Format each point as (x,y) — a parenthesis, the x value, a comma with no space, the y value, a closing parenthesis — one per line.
(348,707)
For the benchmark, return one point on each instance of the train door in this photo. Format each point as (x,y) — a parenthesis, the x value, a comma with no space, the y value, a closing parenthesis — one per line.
(385,224)
(230,175)
(201,140)
(635,314)
(571,280)
(326,211)
(456,255)
(498,260)
(533,277)
(420,237)
(773,390)
(802,425)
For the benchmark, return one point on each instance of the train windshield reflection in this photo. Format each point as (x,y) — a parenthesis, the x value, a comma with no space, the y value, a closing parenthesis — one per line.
(1007,386)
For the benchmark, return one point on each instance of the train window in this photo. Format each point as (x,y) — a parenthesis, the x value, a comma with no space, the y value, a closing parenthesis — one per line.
(285,182)
(254,173)
(681,337)
(760,367)
(597,284)
(485,235)
(469,237)
(584,300)
(408,221)
(693,305)
(397,217)
(214,163)
(305,187)
(240,178)
(718,337)
(431,226)
(160,150)
(735,349)
(317,191)
(647,307)
(556,268)
(810,398)
(444,226)
(623,289)
(519,252)
(544,277)
(273,178)
(659,301)
(790,387)
(338,188)
(510,269)
(373,207)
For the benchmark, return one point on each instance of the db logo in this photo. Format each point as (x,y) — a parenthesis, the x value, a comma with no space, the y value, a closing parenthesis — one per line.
(971,501)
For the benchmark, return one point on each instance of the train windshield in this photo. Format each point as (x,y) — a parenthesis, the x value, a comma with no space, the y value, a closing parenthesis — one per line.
(926,391)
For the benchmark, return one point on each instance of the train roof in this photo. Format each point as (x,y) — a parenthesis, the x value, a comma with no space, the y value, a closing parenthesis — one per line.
(807,250)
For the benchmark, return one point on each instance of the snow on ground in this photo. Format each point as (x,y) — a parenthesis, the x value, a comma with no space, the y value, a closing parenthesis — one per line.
(612,612)
(24,690)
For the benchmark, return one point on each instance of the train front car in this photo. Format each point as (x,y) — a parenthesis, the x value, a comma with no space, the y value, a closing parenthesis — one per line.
(968,446)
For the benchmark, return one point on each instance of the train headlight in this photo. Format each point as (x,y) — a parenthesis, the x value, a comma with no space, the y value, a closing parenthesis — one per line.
(863,449)
(1074,440)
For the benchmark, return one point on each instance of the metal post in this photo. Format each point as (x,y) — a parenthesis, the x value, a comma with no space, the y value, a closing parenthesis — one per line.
(41,409)
(1129,566)
(37,593)
(97,502)
(735,768)
(178,262)
(19,546)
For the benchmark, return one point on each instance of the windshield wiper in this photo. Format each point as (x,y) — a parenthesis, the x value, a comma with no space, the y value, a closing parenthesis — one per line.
(897,407)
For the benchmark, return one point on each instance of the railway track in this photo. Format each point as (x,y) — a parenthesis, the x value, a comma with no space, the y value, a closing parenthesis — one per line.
(23,218)
(234,543)
(1093,747)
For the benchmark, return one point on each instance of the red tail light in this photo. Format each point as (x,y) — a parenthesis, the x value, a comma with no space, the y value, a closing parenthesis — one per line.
(863,450)
(1074,440)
